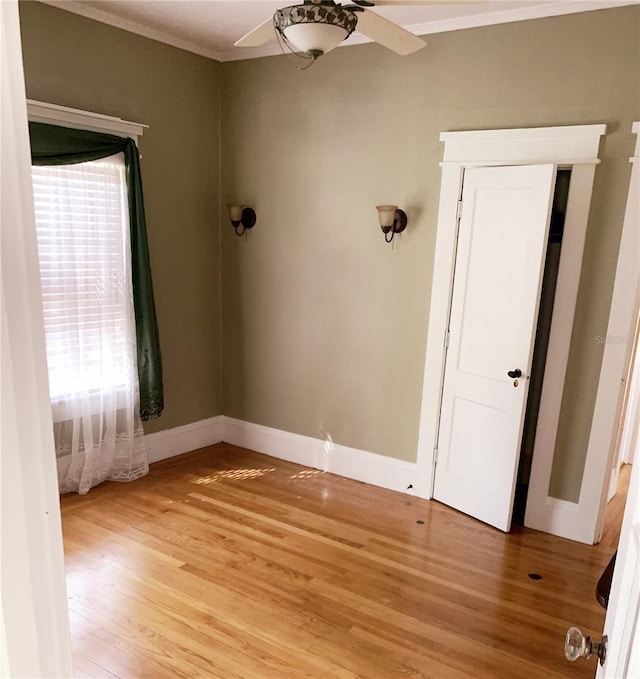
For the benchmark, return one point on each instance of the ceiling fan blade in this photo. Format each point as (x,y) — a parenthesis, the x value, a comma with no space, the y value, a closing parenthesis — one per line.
(414,3)
(388,34)
(258,36)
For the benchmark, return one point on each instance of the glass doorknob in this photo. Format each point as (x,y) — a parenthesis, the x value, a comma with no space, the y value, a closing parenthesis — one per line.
(576,645)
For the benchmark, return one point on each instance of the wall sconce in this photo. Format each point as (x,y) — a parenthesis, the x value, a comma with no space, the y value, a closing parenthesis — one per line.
(241,216)
(392,220)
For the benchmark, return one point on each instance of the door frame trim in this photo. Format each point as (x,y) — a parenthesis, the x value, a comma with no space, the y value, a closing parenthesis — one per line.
(623,317)
(575,146)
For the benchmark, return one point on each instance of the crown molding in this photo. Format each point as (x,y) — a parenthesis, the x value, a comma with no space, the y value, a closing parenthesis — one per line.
(546,9)
(245,53)
(505,16)
(133,27)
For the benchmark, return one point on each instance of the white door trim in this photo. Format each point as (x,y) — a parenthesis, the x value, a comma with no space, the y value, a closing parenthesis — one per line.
(617,353)
(544,512)
(630,425)
(575,146)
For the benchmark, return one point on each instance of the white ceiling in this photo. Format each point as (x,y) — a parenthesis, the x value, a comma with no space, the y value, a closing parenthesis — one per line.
(210,27)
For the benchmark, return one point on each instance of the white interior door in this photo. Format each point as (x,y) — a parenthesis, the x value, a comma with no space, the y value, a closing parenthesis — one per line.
(502,241)
(621,624)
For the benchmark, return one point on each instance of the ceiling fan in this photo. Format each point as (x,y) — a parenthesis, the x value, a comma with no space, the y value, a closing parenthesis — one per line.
(317,26)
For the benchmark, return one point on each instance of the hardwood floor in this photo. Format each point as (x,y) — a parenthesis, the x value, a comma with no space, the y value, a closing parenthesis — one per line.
(228,564)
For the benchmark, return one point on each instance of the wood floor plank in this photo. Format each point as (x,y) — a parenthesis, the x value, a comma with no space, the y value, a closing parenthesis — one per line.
(227,564)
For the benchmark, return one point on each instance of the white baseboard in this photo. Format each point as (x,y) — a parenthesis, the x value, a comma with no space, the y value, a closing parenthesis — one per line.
(562,518)
(326,455)
(171,442)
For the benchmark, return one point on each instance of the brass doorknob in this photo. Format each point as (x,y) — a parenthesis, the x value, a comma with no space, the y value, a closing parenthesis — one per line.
(576,645)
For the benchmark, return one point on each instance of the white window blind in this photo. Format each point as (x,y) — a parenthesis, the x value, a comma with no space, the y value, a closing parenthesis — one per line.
(83,244)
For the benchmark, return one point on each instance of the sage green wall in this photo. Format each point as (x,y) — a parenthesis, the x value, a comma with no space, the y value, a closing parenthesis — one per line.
(77,62)
(324,324)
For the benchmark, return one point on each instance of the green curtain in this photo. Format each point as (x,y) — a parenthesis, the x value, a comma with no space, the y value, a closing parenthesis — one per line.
(55,145)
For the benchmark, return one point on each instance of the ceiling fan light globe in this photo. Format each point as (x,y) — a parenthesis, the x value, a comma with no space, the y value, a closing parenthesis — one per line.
(315,38)
(315,28)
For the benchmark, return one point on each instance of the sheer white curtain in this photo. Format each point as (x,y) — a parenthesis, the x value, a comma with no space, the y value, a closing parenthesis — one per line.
(85,264)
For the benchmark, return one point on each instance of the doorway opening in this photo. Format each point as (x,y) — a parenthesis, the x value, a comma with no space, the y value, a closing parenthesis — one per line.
(577,147)
(541,345)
